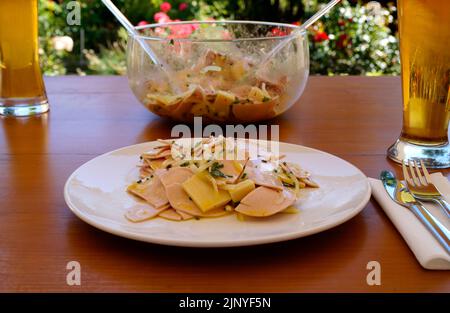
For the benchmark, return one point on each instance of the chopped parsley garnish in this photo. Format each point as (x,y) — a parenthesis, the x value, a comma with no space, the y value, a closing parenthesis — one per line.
(215,170)
(265,99)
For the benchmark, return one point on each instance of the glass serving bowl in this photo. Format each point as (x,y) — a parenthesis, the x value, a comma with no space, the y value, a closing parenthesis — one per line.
(218,70)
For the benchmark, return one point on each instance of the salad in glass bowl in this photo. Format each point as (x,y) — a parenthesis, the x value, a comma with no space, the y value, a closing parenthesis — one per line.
(219,70)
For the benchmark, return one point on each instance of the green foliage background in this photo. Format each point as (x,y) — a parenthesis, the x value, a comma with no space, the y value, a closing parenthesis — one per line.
(360,35)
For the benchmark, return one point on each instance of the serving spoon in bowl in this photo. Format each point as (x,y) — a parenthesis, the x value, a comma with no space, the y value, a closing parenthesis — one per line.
(302,28)
(148,50)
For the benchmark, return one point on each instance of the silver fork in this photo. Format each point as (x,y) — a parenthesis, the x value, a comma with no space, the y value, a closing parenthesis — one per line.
(421,185)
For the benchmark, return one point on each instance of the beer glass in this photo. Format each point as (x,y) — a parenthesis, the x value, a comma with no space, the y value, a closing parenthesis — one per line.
(425,60)
(22,90)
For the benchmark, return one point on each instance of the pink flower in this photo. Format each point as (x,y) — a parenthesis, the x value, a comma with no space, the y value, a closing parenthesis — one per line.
(181,31)
(165,7)
(161,17)
(226,35)
(142,23)
(183,6)
(194,25)
(160,31)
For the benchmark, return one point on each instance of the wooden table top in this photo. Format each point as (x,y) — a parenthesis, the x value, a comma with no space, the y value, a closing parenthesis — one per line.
(355,118)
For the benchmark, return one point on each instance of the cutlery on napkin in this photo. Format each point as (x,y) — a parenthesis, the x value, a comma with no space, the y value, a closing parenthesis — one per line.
(425,247)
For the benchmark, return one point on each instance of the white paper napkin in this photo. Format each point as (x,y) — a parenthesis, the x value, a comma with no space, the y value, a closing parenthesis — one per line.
(425,247)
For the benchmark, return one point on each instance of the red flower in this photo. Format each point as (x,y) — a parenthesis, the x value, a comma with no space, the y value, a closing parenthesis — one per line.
(343,41)
(161,17)
(165,7)
(296,23)
(276,32)
(142,23)
(320,36)
(183,6)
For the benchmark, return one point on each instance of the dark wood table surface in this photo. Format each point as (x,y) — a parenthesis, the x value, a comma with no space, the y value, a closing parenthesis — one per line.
(355,118)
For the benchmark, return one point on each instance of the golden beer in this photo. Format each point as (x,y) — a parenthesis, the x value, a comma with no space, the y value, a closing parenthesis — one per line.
(22,90)
(424,29)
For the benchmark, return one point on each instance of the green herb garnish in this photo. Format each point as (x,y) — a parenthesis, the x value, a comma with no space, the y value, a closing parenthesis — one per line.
(215,170)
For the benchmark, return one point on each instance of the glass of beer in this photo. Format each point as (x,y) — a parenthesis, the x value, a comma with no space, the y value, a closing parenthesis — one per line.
(425,59)
(22,90)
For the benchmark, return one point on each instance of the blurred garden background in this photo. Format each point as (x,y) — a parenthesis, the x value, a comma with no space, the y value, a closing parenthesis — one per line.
(356,38)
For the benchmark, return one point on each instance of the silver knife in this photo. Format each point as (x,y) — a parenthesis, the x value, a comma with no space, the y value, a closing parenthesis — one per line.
(402,196)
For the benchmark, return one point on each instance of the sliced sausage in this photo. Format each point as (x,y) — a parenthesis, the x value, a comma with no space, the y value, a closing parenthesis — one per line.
(265,201)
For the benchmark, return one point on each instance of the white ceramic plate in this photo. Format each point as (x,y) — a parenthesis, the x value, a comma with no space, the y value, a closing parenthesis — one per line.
(95,192)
